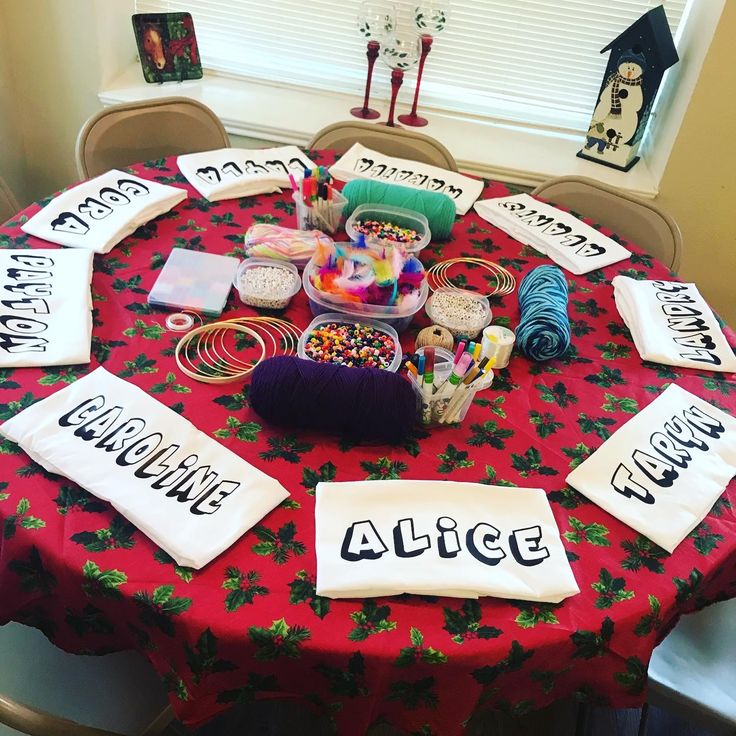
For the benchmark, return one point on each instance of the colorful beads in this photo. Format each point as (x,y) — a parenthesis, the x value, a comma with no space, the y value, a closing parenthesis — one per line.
(387,231)
(351,344)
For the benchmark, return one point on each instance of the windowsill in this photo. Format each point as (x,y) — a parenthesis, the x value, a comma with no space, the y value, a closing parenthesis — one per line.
(503,152)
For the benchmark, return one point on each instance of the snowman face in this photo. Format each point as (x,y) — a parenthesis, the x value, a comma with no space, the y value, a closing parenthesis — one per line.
(630,70)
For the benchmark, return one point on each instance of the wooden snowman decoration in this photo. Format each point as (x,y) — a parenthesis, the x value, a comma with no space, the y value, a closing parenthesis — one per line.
(639,58)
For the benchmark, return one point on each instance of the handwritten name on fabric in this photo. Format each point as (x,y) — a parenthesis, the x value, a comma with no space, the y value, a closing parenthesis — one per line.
(665,468)
(363,163)
(99,213)
(45,307)
(671,323)
(189,494)
(561,236)
(438,538)
(228,173)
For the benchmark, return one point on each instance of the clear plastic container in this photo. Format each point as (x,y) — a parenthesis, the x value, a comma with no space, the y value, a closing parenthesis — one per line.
(342,319)
(396,215)
(324,216)
(264,240)
(396,317)
(463,313)
(258,295)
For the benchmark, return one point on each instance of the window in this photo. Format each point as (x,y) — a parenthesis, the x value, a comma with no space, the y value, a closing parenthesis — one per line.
(518,61)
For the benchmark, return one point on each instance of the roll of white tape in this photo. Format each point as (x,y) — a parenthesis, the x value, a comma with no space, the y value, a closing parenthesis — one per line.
(179,322)
(498,342)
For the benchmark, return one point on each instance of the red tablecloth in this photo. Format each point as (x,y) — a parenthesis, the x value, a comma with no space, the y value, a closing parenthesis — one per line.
(249,624)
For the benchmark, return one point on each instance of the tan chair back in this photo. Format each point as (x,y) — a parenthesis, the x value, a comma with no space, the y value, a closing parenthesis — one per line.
(634,219)
(120,135)
(389,141)
(8,203)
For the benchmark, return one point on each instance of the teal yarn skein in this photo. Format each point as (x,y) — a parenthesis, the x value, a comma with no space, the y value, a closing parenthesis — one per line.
(438,208)
(544,330)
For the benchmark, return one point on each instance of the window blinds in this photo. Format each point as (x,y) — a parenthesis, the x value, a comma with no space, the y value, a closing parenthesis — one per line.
(527,61)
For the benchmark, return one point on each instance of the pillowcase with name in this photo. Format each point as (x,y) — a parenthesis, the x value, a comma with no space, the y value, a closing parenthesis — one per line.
(433,537)
(671,323)
(363,163)
(664,469)
(99,213)
(189,494)
(45,307)
(561,236)
(228,173)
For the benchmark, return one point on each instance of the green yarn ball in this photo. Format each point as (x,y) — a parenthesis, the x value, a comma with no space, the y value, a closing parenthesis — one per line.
(438,208)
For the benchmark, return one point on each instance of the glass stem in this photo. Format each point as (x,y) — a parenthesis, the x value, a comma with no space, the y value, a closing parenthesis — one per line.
(372,54)
(397,77)
(426,48)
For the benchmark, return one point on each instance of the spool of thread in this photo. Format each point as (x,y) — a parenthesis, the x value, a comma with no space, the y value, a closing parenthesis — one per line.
(436,336)
(438,208)
(366,405)
(544,330)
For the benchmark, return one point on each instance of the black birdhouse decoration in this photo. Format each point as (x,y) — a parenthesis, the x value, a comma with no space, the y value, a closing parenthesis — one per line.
(639,58)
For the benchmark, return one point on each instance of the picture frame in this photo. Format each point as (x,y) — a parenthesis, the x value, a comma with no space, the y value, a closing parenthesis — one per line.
(167,47)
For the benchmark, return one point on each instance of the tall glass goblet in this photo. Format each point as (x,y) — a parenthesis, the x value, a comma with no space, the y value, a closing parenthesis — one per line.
(400,53)
(430,17)
(376,19)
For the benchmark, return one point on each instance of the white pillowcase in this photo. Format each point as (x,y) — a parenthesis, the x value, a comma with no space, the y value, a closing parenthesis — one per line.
(363,163)
(45,307)
(99,213)
(664,469)
(228,173)
(189,494)
(432,537)
(569,242)
(671,323)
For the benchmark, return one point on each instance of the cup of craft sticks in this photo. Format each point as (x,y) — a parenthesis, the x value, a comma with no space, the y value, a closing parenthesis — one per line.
(319,205)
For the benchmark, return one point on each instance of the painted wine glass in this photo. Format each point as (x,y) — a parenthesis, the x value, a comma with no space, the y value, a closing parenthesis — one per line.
(376,20)
(399,53)
(430,18)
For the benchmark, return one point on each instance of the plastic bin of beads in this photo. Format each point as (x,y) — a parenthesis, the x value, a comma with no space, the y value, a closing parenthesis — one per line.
(397,317)
(321,215)
(266,283)
(390,361)
(386,226)
(461,312)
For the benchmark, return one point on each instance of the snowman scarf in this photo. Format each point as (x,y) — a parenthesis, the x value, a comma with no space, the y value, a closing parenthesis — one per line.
(618,80)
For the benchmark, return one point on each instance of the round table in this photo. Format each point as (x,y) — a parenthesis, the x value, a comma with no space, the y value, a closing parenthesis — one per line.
(250,624)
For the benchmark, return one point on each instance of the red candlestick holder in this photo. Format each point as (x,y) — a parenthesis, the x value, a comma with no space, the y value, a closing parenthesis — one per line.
(397,79)
(412,118)
(365,112)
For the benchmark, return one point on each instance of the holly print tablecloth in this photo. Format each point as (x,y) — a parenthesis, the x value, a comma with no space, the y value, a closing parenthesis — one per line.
(250,624)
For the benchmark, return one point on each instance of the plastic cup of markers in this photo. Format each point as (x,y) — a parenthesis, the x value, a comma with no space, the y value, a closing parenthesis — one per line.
(324,215)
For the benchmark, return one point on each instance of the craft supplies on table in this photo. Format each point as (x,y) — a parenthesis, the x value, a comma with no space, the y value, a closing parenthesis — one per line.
(318,204)
(384,226)
(437,208)
(384,284)
(463,313)
(99,213)
(334,338)
(358,405)
(193,280)
(568,241)
(671,323)
(264,240)
(503,281)
(191,495)
(267,284)
(362,163)
(230,173)
(497,343)
(46,309)
(543,332)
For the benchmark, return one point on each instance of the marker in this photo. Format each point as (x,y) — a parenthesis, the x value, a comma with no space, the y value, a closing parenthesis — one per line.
(411,368)
(427,383)
(447,391)
(476,351)
(460,350)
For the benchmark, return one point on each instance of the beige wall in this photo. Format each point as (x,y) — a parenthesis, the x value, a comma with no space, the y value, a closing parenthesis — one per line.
(49,80)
